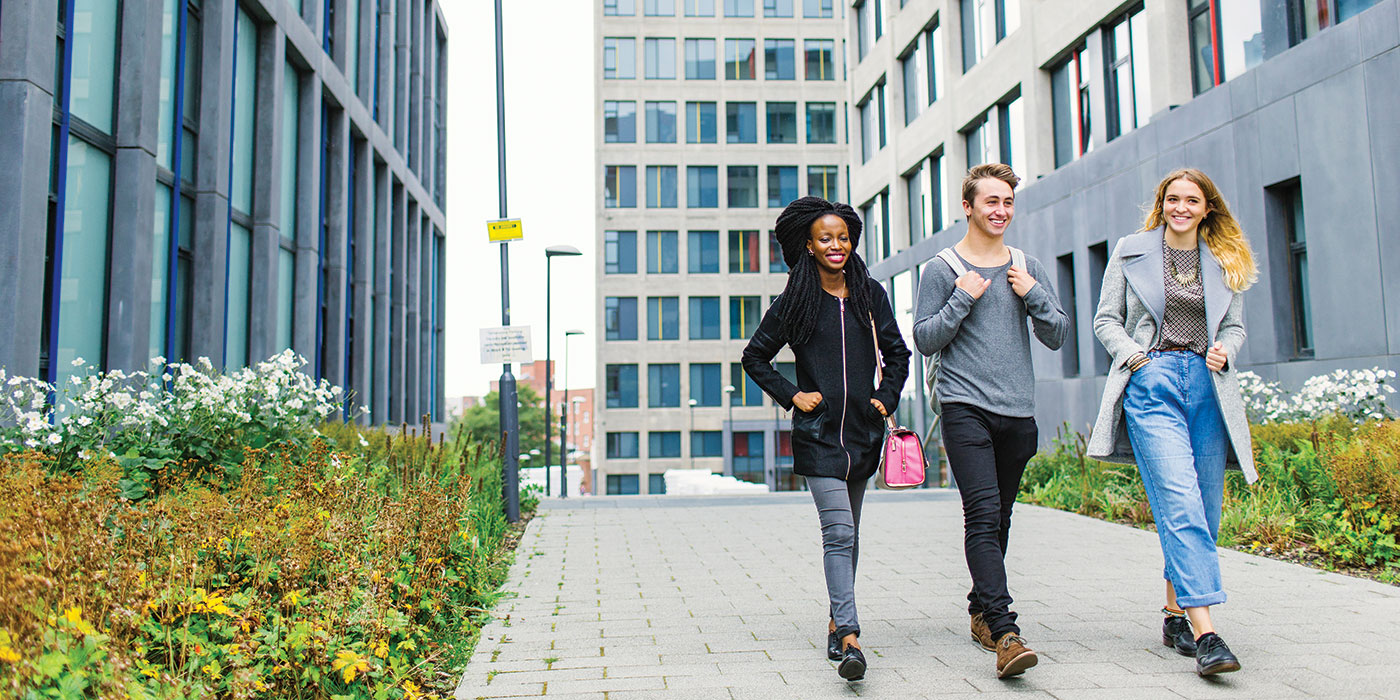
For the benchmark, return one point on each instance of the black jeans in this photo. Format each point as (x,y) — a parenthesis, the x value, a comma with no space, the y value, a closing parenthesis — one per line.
(988,453)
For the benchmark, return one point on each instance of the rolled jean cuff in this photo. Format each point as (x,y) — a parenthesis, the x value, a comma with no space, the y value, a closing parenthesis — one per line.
(842,631)
(1200,601)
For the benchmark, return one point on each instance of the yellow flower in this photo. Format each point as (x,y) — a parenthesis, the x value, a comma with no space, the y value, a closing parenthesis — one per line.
(212,670)
(349,664)
(410,691)
(7,653)
(381,648)
(292,598)
(74,616)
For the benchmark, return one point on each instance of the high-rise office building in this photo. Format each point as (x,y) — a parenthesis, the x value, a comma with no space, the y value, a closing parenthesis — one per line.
(226,179)
(711,116)
(1289,105)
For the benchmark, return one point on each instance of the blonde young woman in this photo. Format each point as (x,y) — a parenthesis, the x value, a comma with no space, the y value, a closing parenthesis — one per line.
(1170,316)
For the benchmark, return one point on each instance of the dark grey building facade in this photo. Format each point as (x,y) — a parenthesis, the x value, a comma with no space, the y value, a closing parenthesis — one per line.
(1304,142)
(226,179)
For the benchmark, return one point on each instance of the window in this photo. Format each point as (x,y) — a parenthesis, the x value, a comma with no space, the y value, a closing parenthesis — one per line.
(663,256)
(624,484)
(619,8)
(699,8)
(1125,45)
(706,443)
(1289,243)
(744,315)
(620,318)
(661,122)
(743,251)
(876,214)
(748,456)
(621,386)
(777,8)
(663,386)
(661,59)
(701,187)
(872,122)
(821,181)
(704,383)
(741,122)
(619,252)
(619,58)
(738,8)
(917,197)
(782,185)
(659,8)
(702,254)
(739,59)
(1069,354)
(746,393)
(820,61)
(776,263)
(661,444)
(870,26)
(699,59)
(820,9)
(998,136)
(933,54)
(909,66)
(656,483)
(1069,97)
(743,186)
(622,446)
(821,122)
(782,122)
(984,23)
(779,62)
(1307,17)
(700,122)
(1226,40)
(704,318)
(619,186)
(1098,263)
(661,186)
(619,121)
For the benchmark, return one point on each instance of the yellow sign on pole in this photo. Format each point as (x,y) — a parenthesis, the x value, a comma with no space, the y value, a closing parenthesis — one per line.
(507,230)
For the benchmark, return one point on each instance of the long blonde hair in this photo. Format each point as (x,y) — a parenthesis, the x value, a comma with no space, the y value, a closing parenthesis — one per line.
(1219,229)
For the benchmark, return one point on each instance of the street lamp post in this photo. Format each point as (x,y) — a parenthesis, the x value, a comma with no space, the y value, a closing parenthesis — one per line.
(510,415)
(564,423)
(729,392)
(549,254)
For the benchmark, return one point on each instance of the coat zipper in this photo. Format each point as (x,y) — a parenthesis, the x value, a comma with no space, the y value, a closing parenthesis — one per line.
(841,436)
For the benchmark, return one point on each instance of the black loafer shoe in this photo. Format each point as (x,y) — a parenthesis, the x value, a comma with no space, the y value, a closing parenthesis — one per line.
(1176,633)
(833,647)
(852,666)
(1212,656)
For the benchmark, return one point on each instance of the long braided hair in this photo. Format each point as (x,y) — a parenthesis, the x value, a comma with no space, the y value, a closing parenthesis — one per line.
(802,296)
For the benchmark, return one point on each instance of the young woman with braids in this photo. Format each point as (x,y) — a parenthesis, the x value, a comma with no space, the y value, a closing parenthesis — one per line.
(1170,316)
(832,314)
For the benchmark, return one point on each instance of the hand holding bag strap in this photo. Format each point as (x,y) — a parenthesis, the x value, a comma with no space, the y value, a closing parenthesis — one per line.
(880,369)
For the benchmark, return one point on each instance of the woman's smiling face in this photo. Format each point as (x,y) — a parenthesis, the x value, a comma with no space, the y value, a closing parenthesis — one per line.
(1184,206)
(830,242)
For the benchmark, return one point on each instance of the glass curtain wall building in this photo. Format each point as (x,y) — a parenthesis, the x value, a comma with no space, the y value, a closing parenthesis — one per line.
(1287,104)
(712,116)
(227,179)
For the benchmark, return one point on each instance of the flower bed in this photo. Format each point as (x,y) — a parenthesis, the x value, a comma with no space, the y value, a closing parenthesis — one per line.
(1328,493)
(235,551)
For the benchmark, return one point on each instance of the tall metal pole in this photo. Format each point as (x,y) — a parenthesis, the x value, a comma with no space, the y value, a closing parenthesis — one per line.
(548,377)
(510,413)
(564,428)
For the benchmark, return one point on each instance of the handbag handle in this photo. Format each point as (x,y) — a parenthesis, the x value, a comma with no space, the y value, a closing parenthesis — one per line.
(879,366)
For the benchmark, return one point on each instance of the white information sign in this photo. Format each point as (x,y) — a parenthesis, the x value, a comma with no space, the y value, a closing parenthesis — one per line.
(505,344)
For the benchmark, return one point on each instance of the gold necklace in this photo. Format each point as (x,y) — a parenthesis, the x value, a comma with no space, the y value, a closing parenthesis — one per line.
(1183,278)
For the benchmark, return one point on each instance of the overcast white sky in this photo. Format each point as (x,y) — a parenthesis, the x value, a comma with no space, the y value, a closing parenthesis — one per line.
(550,181)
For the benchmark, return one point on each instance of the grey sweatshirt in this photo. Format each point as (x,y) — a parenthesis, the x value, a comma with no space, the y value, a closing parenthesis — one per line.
(986,359)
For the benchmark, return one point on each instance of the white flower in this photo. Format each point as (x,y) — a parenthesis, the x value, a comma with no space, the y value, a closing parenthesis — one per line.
(78,362)
(54,438)
(84,421)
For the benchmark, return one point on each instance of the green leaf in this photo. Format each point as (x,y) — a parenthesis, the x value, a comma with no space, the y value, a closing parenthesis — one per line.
(50,665)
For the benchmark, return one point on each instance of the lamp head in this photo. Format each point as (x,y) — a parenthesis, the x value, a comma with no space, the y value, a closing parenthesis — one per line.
(561,250)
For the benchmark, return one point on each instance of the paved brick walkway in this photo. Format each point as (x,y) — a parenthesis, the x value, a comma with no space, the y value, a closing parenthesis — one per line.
(715,598)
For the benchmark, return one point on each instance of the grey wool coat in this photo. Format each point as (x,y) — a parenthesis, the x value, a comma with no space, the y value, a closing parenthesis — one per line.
(1127,322)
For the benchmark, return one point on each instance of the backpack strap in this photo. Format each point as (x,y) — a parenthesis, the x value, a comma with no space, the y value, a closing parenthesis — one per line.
(953,261)
(1018,258)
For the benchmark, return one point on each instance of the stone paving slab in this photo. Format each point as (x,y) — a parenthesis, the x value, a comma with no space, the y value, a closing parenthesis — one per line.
(722,598)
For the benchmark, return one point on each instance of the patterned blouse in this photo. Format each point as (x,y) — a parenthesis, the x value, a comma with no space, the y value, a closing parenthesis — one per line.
(1184,318)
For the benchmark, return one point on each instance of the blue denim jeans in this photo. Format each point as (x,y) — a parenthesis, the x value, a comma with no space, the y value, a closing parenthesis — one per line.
(838,505)
(1179,439)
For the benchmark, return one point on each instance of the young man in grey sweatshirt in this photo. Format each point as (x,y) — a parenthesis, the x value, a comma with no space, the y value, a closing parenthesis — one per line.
(986,389)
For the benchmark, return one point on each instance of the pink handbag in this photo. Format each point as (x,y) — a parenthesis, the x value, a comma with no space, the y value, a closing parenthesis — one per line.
(902,463)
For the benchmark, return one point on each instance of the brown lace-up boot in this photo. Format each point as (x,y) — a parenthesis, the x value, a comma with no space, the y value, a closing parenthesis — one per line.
(1013,657)
(982,634)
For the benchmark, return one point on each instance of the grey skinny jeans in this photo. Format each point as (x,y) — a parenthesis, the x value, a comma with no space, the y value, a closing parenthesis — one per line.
(838,505)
